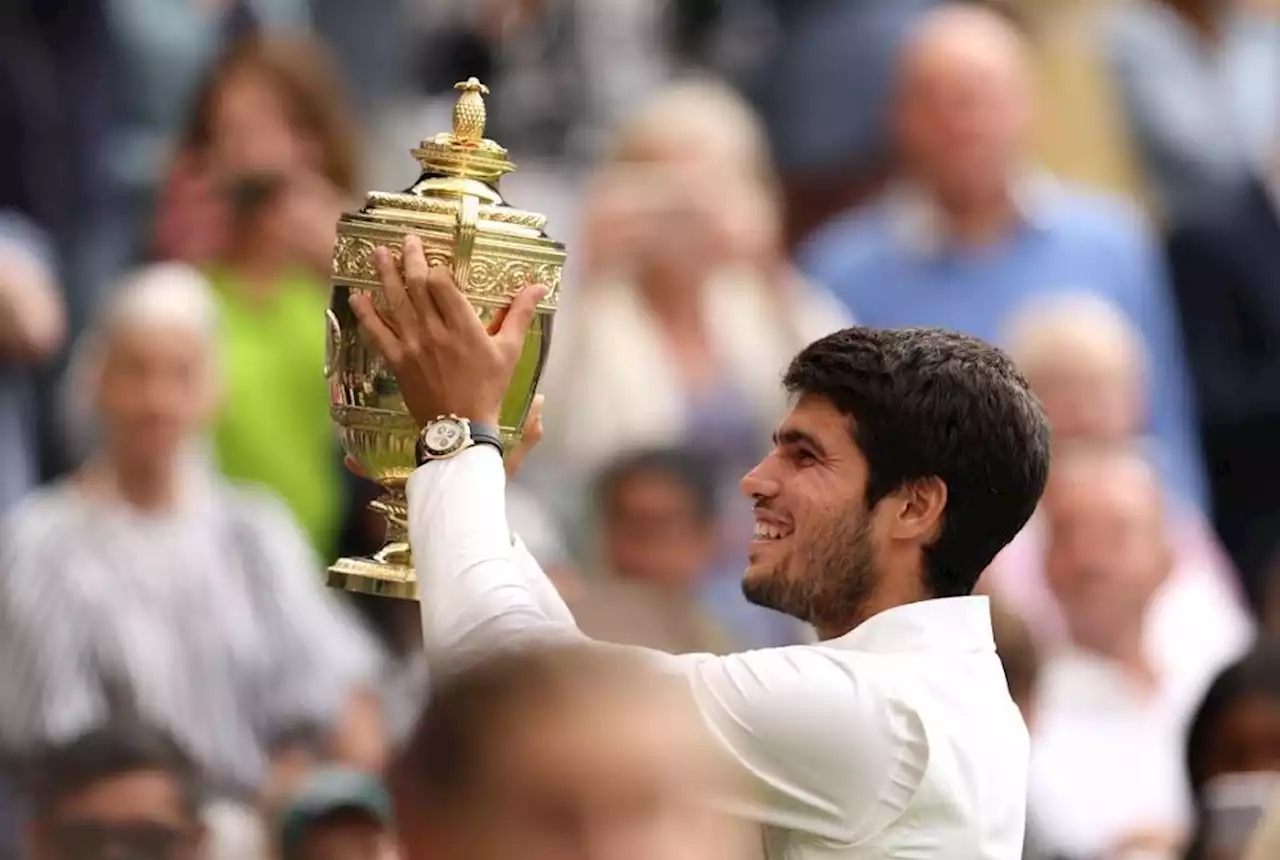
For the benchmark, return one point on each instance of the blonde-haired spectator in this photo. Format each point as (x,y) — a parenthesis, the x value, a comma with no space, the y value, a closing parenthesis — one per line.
(1087,365)
(1144,638)
(688,311)
(147,587)
(1085,362)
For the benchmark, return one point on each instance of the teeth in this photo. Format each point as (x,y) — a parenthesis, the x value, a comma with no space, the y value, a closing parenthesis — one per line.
(766,531)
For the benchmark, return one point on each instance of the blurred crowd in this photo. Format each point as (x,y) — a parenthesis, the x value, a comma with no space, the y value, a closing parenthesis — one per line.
(1092,184)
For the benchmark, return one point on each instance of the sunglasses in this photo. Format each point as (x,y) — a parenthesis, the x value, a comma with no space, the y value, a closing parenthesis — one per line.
(87,840)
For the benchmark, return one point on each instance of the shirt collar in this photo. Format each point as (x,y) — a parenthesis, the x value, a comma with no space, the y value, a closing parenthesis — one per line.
(918,222)
(939,624)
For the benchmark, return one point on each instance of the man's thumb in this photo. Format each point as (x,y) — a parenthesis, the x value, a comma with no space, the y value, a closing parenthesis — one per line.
(518,318)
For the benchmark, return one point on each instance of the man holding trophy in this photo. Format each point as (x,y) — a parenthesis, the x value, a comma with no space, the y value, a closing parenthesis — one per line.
(908,460)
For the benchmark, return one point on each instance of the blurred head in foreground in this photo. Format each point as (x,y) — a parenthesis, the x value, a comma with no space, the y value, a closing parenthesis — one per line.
(567,753)
(1109,548)
(338,814)
(117,792)
(1233,754)
(1085,362)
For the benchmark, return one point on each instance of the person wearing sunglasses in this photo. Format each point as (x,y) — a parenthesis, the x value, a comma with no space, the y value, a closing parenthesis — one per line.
(121,792)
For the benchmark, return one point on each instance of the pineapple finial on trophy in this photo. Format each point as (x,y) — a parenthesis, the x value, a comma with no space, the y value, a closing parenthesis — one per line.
(469,113)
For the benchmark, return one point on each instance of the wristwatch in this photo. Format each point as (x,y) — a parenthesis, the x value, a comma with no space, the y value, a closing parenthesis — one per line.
(447,435)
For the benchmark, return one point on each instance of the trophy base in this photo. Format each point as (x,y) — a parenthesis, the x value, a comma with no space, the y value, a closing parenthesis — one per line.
(375,577)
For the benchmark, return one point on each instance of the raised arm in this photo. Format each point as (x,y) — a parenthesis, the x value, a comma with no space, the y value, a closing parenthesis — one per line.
(479,590)
(796,722)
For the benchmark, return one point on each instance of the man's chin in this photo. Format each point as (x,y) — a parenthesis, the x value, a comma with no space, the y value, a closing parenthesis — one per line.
(760,585)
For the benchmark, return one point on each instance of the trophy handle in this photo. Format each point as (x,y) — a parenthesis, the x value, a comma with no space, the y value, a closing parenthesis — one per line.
(468,215)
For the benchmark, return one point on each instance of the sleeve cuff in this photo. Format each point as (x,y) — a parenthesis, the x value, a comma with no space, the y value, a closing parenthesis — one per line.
(457,509)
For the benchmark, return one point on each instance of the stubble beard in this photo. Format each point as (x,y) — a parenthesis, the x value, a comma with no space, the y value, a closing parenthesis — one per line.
(826,582)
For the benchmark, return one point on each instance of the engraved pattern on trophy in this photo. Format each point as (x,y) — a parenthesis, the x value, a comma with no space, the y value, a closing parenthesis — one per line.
(492,275)
(456,208)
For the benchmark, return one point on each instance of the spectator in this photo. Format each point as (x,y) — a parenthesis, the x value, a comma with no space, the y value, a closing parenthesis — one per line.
(1115,700)
(825,95)
(32,325)
(117,791)
(1086,364)
(561,753)
(1233,755)
(659,518)
(688,315)
(338,815)
(970,235)
(52,158)
(164,52)
(147,585)
(1200,81)
(268,161)
(1225,262)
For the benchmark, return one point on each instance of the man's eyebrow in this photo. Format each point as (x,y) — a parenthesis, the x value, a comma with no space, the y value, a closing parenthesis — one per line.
(792,436)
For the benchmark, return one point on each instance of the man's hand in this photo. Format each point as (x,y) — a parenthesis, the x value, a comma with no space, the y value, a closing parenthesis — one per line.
(530,436)
(445,361)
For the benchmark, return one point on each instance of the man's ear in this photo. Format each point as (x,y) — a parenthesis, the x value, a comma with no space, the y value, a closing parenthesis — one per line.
(918,510)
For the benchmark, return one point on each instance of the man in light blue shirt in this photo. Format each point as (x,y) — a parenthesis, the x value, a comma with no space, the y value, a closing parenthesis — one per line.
(971,234)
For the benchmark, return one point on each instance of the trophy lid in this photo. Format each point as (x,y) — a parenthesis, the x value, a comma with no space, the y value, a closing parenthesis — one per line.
(458,163)
(465,153)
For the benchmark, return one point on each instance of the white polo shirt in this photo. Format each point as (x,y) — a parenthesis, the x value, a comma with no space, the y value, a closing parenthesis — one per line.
(897,740)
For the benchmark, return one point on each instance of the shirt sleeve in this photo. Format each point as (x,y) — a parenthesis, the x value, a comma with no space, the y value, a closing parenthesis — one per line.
(821,744)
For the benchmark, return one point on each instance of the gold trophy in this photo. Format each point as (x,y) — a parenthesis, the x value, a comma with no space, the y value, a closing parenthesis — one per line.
(493,251)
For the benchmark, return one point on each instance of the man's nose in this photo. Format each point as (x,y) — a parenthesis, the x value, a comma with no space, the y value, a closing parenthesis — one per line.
(760,482)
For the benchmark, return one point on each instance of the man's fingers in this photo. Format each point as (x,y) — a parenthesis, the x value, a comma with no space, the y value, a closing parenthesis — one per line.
(416,276)
(373,324)
(403,318)
(448,297)
(515,323)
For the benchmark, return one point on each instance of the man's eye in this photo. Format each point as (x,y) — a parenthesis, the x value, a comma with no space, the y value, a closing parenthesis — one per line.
(802,455)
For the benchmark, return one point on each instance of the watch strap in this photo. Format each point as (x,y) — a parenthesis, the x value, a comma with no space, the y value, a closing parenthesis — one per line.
(486,434)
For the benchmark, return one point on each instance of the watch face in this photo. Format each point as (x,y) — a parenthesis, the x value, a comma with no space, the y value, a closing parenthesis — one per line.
(444,436)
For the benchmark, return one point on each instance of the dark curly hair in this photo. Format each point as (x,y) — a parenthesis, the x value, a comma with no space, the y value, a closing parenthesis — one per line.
(926,402)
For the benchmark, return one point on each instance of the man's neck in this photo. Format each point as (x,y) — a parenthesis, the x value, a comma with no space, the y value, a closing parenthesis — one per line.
(147,487)
(828,629)
(977,222)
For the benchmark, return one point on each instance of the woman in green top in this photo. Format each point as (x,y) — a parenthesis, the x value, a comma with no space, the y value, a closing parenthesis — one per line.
(268,161)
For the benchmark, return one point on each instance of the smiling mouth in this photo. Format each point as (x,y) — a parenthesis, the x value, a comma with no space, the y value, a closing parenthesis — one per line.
(768,531)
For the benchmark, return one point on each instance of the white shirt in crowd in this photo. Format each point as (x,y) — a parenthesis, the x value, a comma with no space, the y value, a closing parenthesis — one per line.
(1108,754)
(897,740)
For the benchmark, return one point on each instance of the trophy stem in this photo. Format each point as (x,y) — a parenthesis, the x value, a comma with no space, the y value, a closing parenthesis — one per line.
(389,571)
